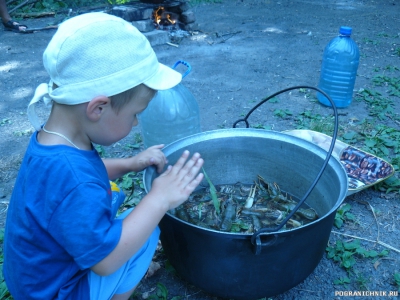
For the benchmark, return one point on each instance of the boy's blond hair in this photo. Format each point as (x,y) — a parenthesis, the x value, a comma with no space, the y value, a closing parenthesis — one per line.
(140,91)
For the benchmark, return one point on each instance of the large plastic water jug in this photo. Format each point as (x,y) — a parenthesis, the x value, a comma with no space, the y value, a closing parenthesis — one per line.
(339,69)
(172,114)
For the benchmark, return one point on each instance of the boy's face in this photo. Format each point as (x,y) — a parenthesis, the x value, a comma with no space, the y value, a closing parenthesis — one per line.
(116,125)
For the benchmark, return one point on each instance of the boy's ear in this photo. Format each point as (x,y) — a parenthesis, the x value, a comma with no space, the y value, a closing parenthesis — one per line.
(96,106)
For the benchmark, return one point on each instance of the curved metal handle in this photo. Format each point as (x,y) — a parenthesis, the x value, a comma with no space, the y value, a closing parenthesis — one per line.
(185,63)
(255,239)
(259,244)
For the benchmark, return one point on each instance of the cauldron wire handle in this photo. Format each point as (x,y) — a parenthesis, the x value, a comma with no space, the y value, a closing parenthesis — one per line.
(255,239)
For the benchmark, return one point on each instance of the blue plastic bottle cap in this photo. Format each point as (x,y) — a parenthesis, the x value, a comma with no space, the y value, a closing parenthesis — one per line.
(345,30)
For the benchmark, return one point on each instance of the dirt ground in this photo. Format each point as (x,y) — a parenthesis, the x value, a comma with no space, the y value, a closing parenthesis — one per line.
(244,51)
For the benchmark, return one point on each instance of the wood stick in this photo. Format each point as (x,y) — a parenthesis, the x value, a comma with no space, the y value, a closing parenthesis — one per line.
(21,5)
(35,14)
(171,44)
(30,30)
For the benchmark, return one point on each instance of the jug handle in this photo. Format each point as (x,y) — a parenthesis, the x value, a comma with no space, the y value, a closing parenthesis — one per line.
(185,63)
(255,239)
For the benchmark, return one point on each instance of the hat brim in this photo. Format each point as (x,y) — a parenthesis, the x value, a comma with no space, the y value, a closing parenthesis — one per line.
(164,79)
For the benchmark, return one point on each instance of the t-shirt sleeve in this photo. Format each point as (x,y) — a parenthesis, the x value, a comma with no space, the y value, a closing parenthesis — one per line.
(84,225)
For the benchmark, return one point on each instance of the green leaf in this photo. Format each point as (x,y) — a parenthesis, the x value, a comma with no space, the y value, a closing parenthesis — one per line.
(396,277)
(348,262)
(346,279)
(213,192)
(384,253)
(162,291)
(352,245)
(331,252)
(389,143)
(337,282)
(362,251)
(384,150)
(349,135)
(371,253)
(345,207)
(339,245)
(338,222)
(370,143)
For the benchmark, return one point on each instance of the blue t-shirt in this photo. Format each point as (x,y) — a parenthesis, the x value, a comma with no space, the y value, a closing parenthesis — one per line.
(60,222)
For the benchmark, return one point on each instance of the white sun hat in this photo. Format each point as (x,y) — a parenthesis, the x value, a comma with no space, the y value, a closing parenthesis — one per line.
(98,54)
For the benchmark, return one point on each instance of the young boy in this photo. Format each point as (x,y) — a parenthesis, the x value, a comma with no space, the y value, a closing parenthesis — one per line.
(62,240)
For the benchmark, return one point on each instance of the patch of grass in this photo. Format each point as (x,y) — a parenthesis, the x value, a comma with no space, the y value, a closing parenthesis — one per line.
(282,113)
(343,214)
(379,106)
(393,83)
(383,34)
(306,93)
(349,136)
(161,293)
(23,132)
(273,100)
(24,8)
(100,150)
(314,121)
(345,253)
(137,142)
(369,41)
(342,281)
(127,183)
(222,125)
(381,141)
(4,293)
(362,281)
(259,126)
(5,122)
(396,278)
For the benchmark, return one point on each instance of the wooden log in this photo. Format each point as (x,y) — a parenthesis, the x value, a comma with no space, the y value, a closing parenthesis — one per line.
(35,14)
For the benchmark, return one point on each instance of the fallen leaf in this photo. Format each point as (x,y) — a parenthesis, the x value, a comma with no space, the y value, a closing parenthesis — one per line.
(146,295)
(154,266)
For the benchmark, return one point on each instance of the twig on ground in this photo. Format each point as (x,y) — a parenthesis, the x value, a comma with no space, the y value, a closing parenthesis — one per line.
(378,261)
(21,5)
(231,34)
(368,240)
(35,14)
(172,44)
(41,28)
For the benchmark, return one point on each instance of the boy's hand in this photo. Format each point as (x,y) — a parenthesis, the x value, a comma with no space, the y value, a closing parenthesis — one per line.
(151,156)
(175,185)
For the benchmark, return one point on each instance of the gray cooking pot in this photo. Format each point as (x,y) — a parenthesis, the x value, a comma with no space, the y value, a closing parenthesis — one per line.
(225,264)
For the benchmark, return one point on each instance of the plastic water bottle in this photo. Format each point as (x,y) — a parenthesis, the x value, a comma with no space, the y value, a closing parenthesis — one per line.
(339,69)
(171,115)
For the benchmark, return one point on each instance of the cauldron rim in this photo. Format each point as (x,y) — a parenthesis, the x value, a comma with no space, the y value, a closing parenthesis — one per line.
(251,133)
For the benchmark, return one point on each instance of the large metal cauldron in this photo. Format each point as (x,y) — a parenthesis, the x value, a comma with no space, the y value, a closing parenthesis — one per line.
(225,264)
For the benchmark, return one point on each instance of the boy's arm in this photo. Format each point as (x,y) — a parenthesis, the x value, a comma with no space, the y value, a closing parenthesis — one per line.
(117,167)
(169,190)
